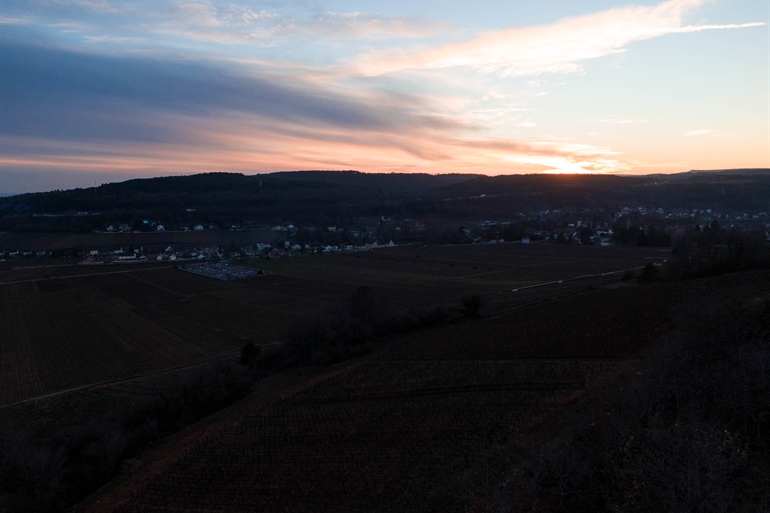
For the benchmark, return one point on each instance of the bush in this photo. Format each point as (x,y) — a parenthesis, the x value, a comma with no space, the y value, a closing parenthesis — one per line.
(472,304)
(648,274)
(249,354)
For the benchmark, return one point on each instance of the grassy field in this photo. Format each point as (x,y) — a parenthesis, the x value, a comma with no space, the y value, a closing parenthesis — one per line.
(84,325)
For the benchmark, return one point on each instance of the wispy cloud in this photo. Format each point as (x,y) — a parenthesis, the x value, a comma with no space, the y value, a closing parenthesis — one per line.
(621,121)
(8,20)
(699,132)
(357,25)
(555,48)
(224,22)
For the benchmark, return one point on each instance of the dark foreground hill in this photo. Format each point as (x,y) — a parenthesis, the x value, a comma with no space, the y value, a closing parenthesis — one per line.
(321,197)
(466,419)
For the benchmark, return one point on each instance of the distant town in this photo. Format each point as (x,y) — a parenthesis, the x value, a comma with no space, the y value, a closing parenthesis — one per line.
(628,226)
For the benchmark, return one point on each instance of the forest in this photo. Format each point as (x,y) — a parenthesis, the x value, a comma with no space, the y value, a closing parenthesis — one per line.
(333,197)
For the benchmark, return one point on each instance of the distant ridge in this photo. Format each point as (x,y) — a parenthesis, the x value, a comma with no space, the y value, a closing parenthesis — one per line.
(328,198)
(746,171)
(411,182)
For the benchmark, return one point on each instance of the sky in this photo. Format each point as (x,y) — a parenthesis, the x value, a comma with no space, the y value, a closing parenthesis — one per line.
(97,91)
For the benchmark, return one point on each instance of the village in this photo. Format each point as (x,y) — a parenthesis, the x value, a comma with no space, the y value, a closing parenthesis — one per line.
(627,226)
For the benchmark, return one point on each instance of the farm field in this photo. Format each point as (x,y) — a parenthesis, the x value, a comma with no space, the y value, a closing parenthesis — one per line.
(114,322)
(405,428)
(67,269)
(415,277)
(11,241)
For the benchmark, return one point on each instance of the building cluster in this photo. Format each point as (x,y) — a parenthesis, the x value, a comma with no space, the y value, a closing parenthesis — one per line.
(640,225)
(598,227)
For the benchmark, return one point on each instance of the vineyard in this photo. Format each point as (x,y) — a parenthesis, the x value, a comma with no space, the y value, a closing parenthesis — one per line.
(404,429)
(11,241)
(83,325)
(603,323)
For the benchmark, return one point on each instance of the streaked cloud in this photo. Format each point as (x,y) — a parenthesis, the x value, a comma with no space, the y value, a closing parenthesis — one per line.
(699,132)
(65,110)
(356,25)
(556,48)
(7,20)
(220,21)
(621,121)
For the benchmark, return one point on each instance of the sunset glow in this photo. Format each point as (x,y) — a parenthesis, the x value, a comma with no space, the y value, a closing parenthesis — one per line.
(101,91)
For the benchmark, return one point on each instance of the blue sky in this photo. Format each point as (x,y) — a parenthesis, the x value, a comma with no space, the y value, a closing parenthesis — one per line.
(95,91)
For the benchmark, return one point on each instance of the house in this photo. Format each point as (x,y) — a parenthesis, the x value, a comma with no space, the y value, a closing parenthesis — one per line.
(161,228)
(110,228)
(198,227)
(124,228)
(94,252)
(391,244)
(525,240)
(118,251)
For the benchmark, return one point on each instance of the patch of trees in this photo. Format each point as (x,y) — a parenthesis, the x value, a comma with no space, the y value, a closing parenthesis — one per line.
(690,431)
(713,250)
(637,236)
(353,328)
(53,473)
